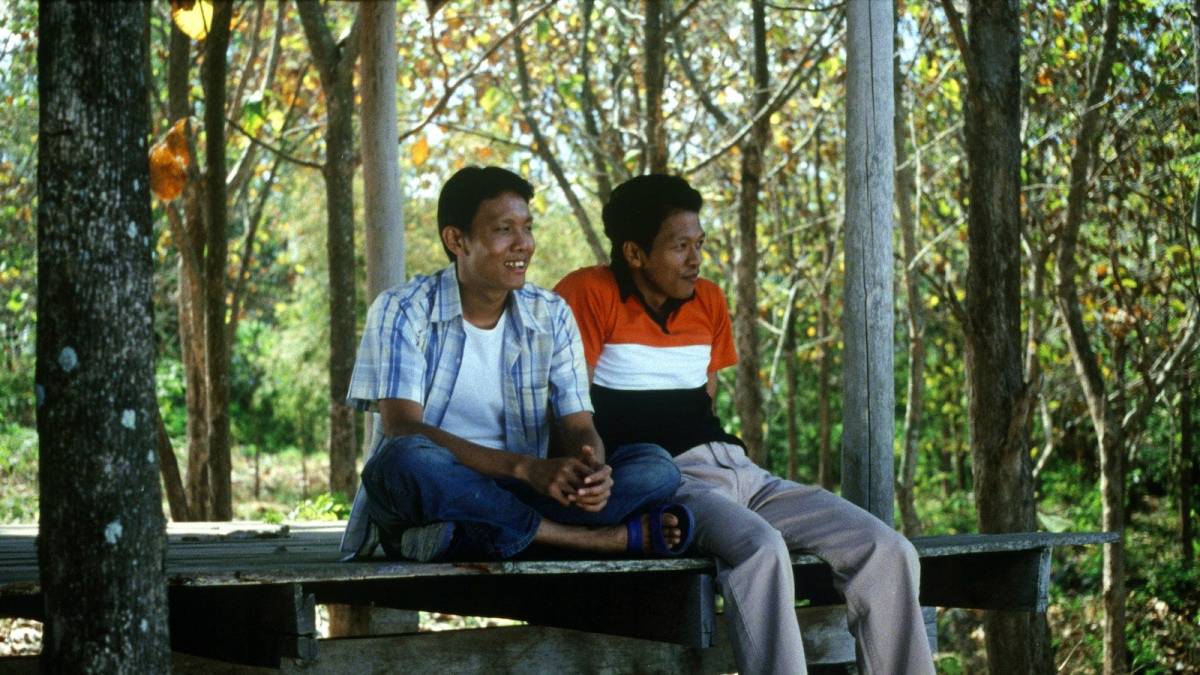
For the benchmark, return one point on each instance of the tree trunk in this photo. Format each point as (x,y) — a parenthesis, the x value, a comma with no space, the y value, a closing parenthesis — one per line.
(1187,466)
(587,100)
(825,370)
(383,212)
(792,370)
(999,399)
(1187,440)
(102,547)
(189,233)
(906,192)
(215,262)
(868,405)
(169,468)
(335,62)
(748,399)
(655,74)
(1105,420)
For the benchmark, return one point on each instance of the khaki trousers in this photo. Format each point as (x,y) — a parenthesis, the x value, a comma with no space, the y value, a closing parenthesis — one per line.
(750,520)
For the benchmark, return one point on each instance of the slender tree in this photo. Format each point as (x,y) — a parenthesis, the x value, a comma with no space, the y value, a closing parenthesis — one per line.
(654,72)
(999,400)
(907,201)
(101,550)
(335,63)
(749,400)
(188,231)
(215,262)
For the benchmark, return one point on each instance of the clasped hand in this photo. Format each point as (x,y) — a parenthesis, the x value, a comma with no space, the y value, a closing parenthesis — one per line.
(582,481)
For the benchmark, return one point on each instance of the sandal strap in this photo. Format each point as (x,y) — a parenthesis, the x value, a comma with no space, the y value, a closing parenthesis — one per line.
(633,532)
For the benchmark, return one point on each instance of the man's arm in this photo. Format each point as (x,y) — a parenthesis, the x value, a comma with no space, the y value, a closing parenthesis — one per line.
(559,478)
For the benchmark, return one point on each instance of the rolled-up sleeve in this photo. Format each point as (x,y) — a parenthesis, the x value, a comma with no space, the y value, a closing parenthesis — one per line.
(390,361)
(568,367)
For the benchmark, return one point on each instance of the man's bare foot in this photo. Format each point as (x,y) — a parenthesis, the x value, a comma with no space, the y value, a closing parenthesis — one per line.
(672,533)
(608,539)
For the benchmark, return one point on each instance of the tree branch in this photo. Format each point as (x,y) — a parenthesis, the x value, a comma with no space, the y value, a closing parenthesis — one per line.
(543,148)
(960,38)
(796,78)
(266,146)
(470,72)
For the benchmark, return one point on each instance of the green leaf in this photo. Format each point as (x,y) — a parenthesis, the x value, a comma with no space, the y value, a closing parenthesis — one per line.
(1054,523)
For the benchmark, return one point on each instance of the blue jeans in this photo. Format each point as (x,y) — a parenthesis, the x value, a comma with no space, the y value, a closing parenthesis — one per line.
(412,481)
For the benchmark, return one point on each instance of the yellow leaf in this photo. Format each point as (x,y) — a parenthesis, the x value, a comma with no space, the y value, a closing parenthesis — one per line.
(420,151)
(193,17)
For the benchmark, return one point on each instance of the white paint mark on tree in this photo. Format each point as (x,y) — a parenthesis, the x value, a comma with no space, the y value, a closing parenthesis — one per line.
(132,231)
(129,419)
(39,393)
(67,359)
(112,532)
(144,625)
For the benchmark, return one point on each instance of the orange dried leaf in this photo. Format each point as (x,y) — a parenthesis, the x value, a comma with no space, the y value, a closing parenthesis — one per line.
(169,160)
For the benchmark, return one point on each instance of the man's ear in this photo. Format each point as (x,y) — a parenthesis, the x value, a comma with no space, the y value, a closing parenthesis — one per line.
(635,257)
(453,237)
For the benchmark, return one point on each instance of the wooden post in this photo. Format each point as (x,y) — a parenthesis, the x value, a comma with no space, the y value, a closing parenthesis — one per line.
(868,407)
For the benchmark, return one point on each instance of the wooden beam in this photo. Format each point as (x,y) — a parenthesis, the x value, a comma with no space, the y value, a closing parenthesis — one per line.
(868,409)
(667,607)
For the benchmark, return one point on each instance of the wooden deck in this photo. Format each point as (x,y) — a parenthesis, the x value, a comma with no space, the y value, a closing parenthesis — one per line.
(235,587)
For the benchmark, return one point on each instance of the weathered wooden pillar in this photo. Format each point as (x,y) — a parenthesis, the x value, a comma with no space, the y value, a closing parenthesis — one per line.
(868,407)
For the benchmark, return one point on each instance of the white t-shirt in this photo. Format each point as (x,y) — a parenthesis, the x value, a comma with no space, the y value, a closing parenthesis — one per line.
(476,408)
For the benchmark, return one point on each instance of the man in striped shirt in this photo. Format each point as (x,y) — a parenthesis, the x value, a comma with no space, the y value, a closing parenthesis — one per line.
(465,367)
(655,334)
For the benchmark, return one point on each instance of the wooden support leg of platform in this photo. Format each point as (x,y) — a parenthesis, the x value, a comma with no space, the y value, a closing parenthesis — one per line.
(259,626)
(357,620)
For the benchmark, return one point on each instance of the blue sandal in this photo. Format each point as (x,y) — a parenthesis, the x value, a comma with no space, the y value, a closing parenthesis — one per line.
(658,543)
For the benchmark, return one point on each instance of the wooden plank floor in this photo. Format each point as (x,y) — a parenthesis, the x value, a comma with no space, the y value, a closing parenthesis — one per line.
(249,553)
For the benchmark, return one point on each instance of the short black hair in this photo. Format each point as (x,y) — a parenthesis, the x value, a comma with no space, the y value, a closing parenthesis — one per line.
(467,189)
(637,208)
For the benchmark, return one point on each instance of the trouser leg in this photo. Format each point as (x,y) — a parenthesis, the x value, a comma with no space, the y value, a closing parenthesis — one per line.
(412,481)
(642,473)
(875,568)
(753,569)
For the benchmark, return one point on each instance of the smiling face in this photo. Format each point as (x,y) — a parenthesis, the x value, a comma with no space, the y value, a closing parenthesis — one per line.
(494,252)
(670,269)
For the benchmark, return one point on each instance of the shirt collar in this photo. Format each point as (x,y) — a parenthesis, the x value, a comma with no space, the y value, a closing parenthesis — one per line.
(448,303)
(627,288)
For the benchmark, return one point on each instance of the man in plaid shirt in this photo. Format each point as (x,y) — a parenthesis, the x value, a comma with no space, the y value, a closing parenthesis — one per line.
(467,368)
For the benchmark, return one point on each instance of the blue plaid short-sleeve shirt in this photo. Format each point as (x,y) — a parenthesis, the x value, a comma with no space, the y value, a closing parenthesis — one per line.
(412,348)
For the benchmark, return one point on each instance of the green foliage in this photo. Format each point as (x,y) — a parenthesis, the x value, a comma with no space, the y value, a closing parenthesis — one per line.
(325,506)
(18,474)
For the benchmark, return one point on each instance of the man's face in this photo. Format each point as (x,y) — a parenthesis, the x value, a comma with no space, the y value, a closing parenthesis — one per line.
(495,251)
(670,269)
